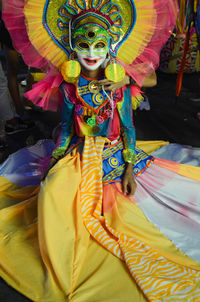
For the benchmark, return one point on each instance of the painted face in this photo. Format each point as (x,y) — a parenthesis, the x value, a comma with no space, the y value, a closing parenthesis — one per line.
(92,56)
(92,48)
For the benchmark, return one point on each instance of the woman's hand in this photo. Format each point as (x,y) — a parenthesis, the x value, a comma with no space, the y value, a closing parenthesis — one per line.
(128,183)
(52,162)
(112,86)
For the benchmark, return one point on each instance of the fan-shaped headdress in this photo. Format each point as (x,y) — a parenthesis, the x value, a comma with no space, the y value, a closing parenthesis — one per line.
(41,30)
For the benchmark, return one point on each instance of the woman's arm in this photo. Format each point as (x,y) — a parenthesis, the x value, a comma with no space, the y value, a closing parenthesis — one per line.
(112,86)
(128,182)
(149,81)
(66,133)
(66,130)
(129,140)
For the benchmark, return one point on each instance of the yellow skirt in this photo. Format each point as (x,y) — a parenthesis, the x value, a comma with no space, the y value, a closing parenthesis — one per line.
(50,249)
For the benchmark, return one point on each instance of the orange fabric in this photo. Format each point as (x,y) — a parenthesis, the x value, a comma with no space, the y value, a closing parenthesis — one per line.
(184,170)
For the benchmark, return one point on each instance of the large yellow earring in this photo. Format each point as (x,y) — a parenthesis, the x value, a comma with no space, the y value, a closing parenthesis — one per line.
(114,71)
(71,70)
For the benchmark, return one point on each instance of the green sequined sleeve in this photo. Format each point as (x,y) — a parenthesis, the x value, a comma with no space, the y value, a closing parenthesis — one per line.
(127,129)
(67,128)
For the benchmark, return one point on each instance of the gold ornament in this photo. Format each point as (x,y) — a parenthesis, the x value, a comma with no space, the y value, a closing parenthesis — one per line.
(94,87)
(115,72)
(70,71)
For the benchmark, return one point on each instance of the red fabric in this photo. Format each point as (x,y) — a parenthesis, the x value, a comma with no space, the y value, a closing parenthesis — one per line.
(46,93)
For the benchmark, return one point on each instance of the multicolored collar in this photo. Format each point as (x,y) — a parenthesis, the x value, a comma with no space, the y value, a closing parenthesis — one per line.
(91,94)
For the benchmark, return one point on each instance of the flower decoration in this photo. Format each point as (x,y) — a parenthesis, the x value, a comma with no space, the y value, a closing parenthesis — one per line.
(108,112)
(104,116)
(99,119)
(79,109)
(91,121)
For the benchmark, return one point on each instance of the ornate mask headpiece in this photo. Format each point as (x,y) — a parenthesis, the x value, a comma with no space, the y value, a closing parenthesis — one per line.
(85,20)
(118,18)
(111,16)
(137,29)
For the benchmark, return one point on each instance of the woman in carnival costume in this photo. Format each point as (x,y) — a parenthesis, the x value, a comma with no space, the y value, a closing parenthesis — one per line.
(81,234)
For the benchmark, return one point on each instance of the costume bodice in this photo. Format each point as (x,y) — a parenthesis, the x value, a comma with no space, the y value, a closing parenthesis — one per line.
(88,110)
(95,112)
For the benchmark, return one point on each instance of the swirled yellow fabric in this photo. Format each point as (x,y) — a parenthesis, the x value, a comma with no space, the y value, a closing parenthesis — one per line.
(59,244)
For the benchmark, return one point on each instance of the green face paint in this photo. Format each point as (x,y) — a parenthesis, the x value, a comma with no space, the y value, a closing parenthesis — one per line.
(87,37)
(91,43)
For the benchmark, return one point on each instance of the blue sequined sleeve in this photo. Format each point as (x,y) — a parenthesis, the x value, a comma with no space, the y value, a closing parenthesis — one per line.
(67,126)
(127,128)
